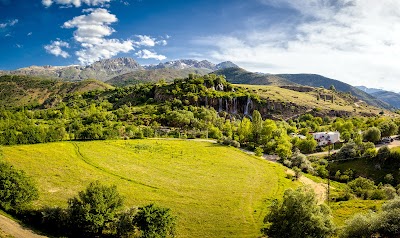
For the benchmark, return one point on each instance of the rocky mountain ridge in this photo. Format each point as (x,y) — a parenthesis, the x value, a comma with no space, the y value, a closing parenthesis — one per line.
(104,70)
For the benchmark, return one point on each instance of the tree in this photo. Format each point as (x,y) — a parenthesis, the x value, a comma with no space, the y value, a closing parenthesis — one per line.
(298,215)
(256,126)
(332,88)
(155,222)
(244,130)
(94,208)
(307,145)
(383,154)
(388,128)
(373,134)
(348,150)
(16,189)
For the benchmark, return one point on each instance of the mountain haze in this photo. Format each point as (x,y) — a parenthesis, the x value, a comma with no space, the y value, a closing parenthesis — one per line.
(389,97)
(241,76)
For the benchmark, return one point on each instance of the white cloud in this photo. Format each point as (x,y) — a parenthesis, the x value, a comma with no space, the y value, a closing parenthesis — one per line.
(55,48)
(148,41)
(76,3)
(147,54)
(8,23)
(29,34)
(145,41)
(90,33)
(351,40)
(105,49)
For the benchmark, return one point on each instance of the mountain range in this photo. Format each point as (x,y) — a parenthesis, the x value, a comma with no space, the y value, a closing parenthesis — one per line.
(126,71)
(389,97)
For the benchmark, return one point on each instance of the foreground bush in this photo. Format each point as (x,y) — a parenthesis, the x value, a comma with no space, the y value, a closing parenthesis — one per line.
(385,223)
(298,215)
(16,188)
(94,209)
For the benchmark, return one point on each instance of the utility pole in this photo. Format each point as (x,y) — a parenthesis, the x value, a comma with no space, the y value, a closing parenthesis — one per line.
(329,174)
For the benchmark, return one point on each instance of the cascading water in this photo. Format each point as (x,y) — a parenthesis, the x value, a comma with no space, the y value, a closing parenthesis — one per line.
(249,104)
(235,111)
(220,105)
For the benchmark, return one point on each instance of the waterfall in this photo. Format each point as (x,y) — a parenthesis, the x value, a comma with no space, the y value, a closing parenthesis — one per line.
(235,111)
(220,105)
(248,104)
(227,105)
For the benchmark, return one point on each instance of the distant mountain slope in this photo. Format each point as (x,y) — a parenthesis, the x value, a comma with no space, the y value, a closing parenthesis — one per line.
(154,75)
(315,80)
(241,76)
(18,90)
(100,70)
(391,98)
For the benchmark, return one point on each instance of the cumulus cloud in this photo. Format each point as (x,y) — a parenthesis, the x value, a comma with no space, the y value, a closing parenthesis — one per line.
(8,23)
(351,40)
(90,33)
(55,48)
(147,54)
(148,41)
(76,3)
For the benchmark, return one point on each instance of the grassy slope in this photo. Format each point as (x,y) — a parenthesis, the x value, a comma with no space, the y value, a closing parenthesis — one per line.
(25,90)
(309,99)
(215,191)
(315,80)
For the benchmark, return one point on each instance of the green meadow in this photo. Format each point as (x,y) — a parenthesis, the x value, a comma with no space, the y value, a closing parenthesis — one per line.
(214,190)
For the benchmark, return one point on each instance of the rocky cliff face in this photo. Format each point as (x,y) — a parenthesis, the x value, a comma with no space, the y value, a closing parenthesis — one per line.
(187,64)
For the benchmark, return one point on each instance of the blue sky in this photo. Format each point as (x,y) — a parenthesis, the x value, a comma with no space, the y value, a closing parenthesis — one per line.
(356,41)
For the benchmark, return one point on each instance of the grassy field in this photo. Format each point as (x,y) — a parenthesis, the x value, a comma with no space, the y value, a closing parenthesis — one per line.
(215,191)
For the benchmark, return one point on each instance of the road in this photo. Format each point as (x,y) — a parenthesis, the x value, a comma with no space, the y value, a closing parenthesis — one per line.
(14,229)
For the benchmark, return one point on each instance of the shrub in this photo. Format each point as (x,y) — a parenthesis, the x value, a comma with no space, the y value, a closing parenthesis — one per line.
(298,215)
(259,151)
(94,208)
(155,222)
(16,189)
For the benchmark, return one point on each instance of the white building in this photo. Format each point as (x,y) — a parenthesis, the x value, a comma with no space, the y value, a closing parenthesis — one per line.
(326,138)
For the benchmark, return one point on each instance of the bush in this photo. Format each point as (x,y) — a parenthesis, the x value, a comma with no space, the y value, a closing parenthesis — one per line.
(229,141)
(298,215)
(16,189)
(385,223)
(126,225)
(155,222)
(93,209)
(258,151)
(362,187)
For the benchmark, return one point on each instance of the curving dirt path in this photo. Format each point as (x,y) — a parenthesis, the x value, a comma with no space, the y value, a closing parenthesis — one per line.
(13,229)
(320,189)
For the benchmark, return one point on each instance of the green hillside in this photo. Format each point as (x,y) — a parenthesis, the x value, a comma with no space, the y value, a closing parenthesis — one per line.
(315,80)
(215,191)
(241,76)
(154,75)
(26,90)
